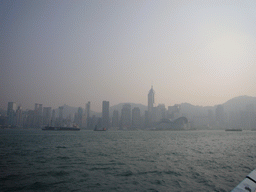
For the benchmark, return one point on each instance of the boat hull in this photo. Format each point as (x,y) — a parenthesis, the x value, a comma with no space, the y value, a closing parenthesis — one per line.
(61,129)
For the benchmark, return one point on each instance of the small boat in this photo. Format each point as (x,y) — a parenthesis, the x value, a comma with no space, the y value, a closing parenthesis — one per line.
(99,129)
(233,130)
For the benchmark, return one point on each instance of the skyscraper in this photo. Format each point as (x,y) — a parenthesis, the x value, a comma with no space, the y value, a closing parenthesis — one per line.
(220,116)
(88,105)
(61,116)
(126,116)
(115,119)
(105,114)
(38,115)
(53,120)
(19,117)
(136,119)
(151,99)
(80,116)
(88,119)
(47,115)
(11,113)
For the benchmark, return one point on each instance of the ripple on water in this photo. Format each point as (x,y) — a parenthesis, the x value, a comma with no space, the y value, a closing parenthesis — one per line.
(58,173)
(125,161)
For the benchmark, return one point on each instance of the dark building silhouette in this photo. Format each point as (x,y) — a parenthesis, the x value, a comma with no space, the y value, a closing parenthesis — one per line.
(136,118)
(115,119)
(11,115)
(220,116)
(151,101)
(80,116)
(126,116)
(60,120)
(105,114)
(19,117)
(47,116)
(53,119)
(88,117)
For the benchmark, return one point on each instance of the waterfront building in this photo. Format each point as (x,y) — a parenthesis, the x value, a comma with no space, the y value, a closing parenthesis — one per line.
(220,116)
(136,118)
(105,114)
(29,118)
(47,116)
(11,113)
(115,119)
(151,99)
(80,117)
(151,110)
(53,120)
(126,116)
(61,116)
(19,117)
(88,118)
(146,120)
(160,112)
(38,115)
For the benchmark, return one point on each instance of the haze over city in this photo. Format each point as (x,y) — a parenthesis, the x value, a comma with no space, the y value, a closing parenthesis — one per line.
(72,52)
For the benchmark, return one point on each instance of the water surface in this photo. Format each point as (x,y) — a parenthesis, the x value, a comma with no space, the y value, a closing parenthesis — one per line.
(125,161)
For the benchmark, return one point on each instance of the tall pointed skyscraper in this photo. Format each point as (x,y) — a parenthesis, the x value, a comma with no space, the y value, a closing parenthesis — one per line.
(151,99)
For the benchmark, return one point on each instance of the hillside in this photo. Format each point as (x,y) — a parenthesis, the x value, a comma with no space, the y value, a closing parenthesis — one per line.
(240,103)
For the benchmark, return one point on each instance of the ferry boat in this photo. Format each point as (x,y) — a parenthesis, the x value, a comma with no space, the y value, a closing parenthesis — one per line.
(233,130)
(50,128)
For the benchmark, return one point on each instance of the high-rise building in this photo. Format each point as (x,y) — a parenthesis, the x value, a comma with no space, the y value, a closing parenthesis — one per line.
(115,119)
(47,116)
(151,99)
(88,105)
(88,118)
(151,111)
(80,116)
(19,117)
(38,115)
(136,119)
(11,113)
(105,114)
(160,112)
(29,118)
(146,120)
(126,116)
(220,116)
(53,120)
(61,123)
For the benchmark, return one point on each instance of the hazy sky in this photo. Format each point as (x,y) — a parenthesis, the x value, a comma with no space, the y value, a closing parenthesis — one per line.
(72,52)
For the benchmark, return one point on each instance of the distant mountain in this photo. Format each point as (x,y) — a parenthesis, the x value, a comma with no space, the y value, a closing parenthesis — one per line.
(189,110)
(119,107)
(240,103)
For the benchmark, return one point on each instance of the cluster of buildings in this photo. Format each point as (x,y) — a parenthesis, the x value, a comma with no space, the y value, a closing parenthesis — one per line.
(128,118)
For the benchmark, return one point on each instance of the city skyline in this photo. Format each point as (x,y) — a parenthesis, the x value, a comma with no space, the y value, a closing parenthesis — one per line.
(100,111)
(58,53)
(234,113)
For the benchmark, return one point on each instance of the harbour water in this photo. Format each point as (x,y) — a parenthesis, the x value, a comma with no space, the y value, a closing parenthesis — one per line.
(36,160)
